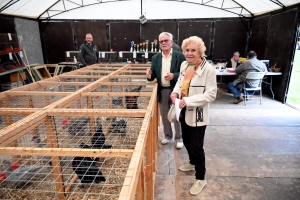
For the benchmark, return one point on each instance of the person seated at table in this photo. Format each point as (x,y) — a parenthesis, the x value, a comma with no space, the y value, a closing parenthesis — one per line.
(234,61)
(252,64)
(88,52)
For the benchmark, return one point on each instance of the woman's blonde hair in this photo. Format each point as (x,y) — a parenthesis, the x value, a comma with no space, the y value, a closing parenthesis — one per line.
(195,40)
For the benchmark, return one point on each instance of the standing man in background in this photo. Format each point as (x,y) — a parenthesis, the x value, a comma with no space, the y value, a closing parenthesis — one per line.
(88,52)
(165,68)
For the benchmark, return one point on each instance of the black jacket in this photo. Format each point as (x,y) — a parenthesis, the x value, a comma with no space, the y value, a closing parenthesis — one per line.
(88,55)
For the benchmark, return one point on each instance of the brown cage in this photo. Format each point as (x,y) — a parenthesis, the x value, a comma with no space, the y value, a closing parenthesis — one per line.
(95,141)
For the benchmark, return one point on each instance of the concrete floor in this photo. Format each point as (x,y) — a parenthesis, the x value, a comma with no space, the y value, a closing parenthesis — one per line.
(252,152)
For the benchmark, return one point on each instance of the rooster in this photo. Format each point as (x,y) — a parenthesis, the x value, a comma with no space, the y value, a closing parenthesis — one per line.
(131,101)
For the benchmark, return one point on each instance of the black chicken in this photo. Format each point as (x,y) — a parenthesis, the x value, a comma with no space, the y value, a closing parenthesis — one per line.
(87,171)
(98,139)
(117,101)
(119,126)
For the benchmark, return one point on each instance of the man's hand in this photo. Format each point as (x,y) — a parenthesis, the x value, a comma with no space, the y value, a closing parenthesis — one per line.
(148,73)
(173,97)
(169,76)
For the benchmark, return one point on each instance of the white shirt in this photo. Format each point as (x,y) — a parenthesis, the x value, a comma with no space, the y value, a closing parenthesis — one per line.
(166,67)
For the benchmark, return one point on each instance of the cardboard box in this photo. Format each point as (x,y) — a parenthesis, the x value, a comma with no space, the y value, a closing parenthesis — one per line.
(14,76)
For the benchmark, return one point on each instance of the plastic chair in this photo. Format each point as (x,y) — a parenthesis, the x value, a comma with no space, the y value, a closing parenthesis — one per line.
(253,76)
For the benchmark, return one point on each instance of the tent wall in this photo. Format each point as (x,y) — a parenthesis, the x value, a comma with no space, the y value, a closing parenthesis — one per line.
(57,38)
(204,29)
(272,36)
(97,29)
(121,34)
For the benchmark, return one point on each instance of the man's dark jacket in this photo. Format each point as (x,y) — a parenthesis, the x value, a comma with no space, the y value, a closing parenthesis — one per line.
(156,67)
(88,55)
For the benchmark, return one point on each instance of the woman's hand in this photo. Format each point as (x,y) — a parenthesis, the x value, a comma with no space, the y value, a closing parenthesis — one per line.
(173,97)
(182,103)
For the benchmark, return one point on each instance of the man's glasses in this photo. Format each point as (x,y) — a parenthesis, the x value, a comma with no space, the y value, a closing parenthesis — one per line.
(163,41)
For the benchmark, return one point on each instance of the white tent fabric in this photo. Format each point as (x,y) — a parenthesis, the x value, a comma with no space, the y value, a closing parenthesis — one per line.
(133,9)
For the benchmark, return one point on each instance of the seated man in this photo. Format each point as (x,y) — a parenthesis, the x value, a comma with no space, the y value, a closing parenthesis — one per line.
(250,65)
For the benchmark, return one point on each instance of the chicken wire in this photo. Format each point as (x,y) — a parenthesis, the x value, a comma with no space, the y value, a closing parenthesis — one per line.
(29,101)
(70,132)
(113,101)
(70,78)
(14,118)
(76,132)
(50,87)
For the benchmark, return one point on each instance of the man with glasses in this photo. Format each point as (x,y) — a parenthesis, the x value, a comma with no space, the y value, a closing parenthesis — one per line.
(165,68)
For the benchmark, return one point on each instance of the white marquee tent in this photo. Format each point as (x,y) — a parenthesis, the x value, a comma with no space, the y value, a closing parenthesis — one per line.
(133,9)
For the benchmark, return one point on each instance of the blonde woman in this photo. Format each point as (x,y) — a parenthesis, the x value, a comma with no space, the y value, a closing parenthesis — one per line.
(196,88)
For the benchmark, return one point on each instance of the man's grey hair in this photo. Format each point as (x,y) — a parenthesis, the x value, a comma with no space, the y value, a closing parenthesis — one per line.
(166,33)
(88,34)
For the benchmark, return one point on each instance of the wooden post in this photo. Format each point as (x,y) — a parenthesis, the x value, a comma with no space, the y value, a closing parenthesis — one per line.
(52,143)
(140,193)
(92,123)
(149,172)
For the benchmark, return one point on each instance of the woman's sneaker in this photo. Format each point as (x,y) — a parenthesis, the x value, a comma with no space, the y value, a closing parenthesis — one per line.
(198,186)
(187,167)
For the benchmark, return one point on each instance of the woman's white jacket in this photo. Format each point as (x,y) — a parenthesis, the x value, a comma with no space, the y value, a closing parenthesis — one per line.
(202,91)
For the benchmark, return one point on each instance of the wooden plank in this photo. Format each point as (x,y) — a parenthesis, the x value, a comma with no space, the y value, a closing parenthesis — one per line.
(21,127)
(53,152)
(140,193)
(97,112)
(36,93)
(128,192)
(78,76)
(55,160)
(117,93)
(129,76)
(47,83)
(18,111)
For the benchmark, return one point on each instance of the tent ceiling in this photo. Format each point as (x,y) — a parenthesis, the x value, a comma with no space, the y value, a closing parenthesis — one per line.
(132,9)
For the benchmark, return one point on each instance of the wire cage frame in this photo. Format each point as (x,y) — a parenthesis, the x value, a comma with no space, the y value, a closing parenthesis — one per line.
(53,138)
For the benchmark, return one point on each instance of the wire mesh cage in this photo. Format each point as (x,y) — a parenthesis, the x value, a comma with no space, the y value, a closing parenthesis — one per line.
(87,145)
(28,100)
(72,155)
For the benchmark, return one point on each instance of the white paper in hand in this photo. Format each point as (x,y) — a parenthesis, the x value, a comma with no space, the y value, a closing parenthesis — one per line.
(177,109)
